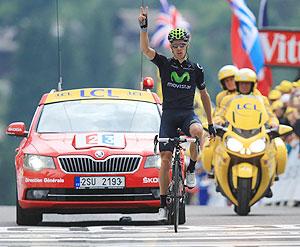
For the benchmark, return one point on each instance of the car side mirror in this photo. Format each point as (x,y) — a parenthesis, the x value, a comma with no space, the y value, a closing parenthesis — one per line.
(17,129)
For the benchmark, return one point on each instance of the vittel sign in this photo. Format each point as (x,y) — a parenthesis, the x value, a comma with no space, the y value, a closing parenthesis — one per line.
(281,48)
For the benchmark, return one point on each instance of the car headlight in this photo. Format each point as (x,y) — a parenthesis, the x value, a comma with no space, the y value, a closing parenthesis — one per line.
(37,162)
(152,162)
(234,145)
(258,145)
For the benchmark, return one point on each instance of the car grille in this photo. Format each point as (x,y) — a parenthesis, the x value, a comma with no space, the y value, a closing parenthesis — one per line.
(125,194)
(112,164)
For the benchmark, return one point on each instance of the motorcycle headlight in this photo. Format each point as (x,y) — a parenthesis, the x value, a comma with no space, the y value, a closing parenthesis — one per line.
(234,145)
(152,162)
(37,162)
(258,145)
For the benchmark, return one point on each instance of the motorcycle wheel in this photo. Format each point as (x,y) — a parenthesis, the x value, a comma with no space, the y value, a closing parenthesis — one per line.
(243,196)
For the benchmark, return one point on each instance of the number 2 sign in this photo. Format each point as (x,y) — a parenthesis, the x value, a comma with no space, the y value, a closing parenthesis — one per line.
(113,140)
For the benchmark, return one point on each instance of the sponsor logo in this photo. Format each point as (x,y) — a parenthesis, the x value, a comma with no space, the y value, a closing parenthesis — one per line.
(281,47)
(246,106)
(99,154)
(14,129)
(179,86)
(150,180)
(179,79)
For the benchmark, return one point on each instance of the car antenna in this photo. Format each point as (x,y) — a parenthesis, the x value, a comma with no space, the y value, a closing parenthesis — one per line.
(142,60)
(60,80)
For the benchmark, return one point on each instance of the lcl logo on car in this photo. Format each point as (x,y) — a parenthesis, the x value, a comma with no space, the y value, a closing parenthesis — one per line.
(99,154)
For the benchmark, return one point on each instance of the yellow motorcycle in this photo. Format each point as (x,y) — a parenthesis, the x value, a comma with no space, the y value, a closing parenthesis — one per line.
(246,157)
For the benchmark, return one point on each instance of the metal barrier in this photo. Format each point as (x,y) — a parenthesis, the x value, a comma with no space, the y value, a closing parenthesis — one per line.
(286,191)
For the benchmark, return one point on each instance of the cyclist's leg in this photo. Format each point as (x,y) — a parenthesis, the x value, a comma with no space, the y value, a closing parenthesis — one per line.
(192,127)
(164,175)
(196,130)
(167,129)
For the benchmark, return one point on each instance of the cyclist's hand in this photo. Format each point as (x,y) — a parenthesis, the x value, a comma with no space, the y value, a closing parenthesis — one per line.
(212,131)
(143,18)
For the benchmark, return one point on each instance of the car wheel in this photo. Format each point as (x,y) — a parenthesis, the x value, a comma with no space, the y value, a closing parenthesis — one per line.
(182,217)
(26,217)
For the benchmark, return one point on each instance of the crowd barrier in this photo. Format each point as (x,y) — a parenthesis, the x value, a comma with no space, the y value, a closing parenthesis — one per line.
(286,191)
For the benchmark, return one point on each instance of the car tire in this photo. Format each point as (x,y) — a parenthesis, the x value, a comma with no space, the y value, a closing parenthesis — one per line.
(182,218)
(26,217)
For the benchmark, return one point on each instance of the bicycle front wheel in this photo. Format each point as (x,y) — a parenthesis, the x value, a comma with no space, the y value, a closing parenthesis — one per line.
(176,195)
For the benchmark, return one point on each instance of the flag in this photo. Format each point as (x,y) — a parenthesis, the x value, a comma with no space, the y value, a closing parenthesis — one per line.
(263,22)
(168,19)
(246,48)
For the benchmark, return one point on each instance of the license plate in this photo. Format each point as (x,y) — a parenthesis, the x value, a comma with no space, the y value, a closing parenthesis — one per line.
(99,182)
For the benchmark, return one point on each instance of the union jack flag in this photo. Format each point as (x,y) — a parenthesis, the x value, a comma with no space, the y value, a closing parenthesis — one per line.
(168,19)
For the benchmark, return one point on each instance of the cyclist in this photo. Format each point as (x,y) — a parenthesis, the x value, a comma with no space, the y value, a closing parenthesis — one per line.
(179,78)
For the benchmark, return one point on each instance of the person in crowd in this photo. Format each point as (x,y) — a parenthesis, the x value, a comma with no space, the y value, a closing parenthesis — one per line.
(274,95)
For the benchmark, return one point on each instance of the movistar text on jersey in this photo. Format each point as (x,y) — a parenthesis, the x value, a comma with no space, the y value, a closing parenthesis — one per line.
(180,86)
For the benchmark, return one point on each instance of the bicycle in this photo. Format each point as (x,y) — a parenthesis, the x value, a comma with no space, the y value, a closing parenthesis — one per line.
(176,189)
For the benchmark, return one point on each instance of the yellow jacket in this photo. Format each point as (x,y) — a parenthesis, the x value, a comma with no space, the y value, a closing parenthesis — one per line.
(219,116)
(221,95)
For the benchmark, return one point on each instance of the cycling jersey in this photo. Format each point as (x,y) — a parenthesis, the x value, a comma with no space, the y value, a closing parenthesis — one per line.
(179,82)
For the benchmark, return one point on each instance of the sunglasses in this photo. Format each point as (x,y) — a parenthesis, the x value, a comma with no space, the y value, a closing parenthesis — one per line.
(181,45)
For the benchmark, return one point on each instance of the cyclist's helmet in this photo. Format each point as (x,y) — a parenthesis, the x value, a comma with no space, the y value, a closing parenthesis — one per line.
(225,72)
(245,75)
(178,34)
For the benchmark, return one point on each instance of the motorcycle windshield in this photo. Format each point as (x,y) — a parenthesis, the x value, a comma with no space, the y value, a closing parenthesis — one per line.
(246,112)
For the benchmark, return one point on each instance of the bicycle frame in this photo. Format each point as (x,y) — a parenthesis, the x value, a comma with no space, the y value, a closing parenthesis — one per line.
(176,190)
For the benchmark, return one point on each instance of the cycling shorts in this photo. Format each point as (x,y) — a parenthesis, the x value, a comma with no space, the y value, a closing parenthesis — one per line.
(171,120)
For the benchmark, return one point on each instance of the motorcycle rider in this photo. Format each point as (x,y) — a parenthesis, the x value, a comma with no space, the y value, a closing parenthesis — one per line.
(245,80)
(226,77)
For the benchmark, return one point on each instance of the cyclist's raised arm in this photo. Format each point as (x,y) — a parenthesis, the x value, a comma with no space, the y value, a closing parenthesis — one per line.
(144,40)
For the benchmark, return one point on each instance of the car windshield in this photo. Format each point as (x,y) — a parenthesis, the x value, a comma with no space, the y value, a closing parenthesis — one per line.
(99,115)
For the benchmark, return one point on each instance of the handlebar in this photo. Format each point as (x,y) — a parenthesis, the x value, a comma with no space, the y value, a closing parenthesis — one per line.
(180,139)
(177,140)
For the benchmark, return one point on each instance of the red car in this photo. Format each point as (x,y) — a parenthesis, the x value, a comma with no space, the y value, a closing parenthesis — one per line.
(88,151)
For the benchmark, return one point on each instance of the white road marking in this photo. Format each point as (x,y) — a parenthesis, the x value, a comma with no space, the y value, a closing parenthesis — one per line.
(134,236)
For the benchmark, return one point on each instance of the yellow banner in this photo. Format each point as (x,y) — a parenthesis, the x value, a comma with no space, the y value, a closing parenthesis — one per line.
(99,93)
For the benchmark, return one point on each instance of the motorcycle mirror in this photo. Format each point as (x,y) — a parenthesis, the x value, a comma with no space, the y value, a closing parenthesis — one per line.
(284,129)
(280,131)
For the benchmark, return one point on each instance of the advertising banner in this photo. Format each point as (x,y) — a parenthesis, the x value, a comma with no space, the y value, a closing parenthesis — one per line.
(281,48)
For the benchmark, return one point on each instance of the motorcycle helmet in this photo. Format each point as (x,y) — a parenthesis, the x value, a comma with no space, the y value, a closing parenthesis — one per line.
(225,72)
(245,75)
(178,34)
